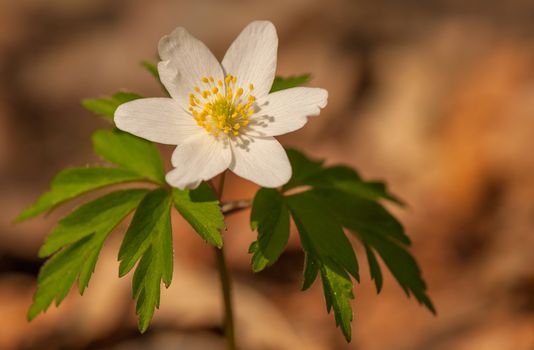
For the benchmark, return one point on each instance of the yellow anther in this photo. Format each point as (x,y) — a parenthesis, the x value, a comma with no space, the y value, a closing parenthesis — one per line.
(219,108)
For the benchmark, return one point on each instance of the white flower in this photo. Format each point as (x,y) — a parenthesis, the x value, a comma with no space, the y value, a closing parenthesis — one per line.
(221,116)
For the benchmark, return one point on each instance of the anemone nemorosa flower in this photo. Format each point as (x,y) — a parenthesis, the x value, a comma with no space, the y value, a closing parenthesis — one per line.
(221,115)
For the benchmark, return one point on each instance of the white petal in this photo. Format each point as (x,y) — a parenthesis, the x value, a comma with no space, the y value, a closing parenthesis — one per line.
(156,119)
(185,61)
(200,158)
(286,111)
(252,57)
(263,161)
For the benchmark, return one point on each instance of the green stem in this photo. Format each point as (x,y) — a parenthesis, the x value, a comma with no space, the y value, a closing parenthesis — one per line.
(229,329)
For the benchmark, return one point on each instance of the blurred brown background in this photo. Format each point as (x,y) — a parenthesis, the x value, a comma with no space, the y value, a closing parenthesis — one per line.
(435,97)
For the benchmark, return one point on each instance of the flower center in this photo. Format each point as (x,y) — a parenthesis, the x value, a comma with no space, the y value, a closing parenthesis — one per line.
(222,114)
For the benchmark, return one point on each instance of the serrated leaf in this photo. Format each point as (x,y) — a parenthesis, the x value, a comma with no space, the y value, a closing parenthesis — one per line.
(328,251)
(337,287)
(320,233)
(382,232)
(106,107)
(357,213)
(149,241)
(82,234)
(281,83)
(98,215)
(347,180)
(310,172)
(401,264)
(71,183)
(270,217)
(310,271)
(150,217)
(201,209)
(130,152)
(374,268)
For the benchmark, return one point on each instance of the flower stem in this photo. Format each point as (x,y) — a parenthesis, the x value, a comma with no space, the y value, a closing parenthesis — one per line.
(229,329)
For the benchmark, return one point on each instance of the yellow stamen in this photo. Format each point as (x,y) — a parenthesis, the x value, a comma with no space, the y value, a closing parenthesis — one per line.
(222,114)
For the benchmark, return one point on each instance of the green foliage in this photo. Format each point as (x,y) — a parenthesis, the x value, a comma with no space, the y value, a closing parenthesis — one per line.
(270,216)
(337,287)
(105,107)
(80,236)
(323,201)
(281,83)
(200,208)
(329,199)
(321,236)
(148,239)
(151,68)
(130,152)
(74,245)
(71,183)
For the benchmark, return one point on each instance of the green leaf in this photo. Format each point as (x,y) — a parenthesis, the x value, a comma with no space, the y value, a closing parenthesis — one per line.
(106,107)
(281,83)
(71,183)
(201,209)
(347,180)
(81,234)
(152,68)
(309,172)
(310,271)
(303,167)
(401,264)
(374,268)
(337,287)
(270,217)
(130,152)
(149,241)
(383,233)
(328,251)
(360,214)
(320,234)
